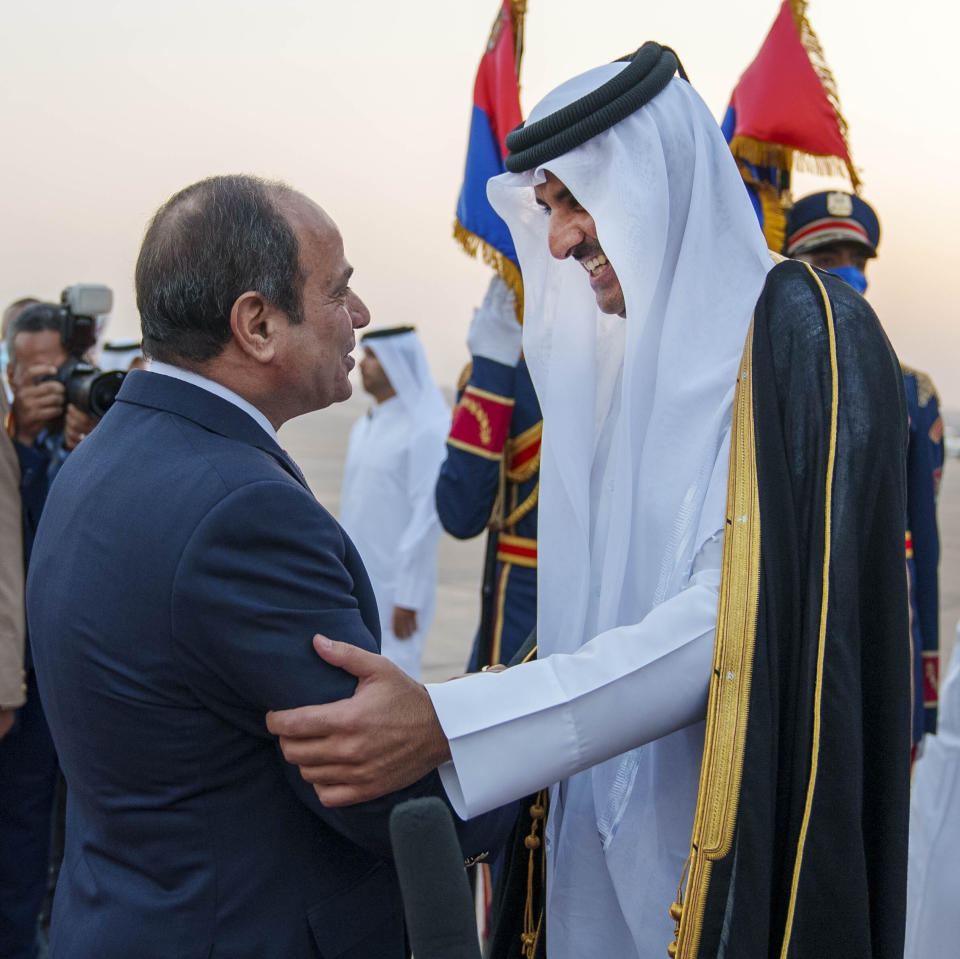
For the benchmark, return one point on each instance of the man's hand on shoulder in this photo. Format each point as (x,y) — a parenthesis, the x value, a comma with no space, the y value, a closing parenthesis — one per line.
(384,737)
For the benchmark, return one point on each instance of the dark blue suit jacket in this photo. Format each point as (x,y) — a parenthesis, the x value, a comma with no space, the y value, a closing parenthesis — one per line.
(179,573)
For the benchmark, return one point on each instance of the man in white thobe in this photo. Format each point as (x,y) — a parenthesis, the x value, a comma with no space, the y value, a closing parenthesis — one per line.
(387,503)
(636,369)
(632,494)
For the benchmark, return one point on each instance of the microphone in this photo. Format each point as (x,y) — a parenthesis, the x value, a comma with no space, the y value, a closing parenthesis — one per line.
(436,895)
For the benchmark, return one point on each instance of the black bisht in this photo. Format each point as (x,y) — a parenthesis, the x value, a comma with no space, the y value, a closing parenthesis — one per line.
(813,859)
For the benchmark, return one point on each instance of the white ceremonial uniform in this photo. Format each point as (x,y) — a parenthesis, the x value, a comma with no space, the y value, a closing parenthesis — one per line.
(387,502)
(632,498)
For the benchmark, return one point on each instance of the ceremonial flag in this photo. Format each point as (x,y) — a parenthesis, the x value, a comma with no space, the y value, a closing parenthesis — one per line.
(496,111)
(785,108)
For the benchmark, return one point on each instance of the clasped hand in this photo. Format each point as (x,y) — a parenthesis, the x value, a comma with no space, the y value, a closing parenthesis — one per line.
(383,738)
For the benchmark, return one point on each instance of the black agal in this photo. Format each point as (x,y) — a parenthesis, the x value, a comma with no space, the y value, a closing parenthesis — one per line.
(648,71)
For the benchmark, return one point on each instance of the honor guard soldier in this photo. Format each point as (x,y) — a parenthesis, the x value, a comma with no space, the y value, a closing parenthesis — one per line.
(491,475)
(838,232)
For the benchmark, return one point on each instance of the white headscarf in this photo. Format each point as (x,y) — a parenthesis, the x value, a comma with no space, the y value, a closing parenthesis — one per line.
(636,411)
(404,361)
(675,222)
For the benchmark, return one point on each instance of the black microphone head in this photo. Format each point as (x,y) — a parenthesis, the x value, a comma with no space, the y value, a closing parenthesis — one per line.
(436,895)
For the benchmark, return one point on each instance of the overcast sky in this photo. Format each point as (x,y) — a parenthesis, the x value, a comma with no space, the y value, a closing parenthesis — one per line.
(108,108)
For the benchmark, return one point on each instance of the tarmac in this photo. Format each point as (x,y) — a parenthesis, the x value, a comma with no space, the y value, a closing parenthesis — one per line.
(318,442)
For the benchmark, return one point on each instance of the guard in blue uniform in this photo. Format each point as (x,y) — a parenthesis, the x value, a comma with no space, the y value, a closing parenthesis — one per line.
(839,233)
(490,477)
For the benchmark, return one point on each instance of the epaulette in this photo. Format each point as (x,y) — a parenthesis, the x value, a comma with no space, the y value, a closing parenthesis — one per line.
(926,391)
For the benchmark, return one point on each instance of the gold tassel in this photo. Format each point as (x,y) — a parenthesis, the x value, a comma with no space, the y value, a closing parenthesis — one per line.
(505,268)
(811,44)
(533,842)
(524,508)
(495,522)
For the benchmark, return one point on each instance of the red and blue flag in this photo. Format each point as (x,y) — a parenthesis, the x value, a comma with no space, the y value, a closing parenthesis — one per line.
(786,109)
(496,111)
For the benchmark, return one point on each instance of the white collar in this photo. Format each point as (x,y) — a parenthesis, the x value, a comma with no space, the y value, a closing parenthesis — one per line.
(218,389)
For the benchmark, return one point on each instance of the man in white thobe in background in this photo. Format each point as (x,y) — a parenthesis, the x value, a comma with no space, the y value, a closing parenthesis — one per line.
(387,503)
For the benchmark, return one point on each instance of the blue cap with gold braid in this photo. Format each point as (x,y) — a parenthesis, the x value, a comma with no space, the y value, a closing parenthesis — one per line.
(831,217)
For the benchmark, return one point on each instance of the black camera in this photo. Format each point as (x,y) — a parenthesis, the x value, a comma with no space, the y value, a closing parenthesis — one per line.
(88,388)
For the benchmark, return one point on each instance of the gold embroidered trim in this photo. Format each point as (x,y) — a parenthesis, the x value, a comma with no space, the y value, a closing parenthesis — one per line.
(480,415)
(516,445)
(487,395)
(729,697)
(530,434)
(496,647)
(470,448)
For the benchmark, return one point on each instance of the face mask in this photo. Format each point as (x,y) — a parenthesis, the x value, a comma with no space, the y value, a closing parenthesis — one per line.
(851,275)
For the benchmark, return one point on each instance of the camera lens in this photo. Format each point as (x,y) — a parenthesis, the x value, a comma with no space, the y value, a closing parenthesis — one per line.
(103,391)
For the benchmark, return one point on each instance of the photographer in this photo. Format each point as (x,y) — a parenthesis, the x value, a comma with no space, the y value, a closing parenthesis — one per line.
(44,428)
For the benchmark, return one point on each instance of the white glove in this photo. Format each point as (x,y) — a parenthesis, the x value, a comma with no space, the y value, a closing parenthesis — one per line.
(494,330)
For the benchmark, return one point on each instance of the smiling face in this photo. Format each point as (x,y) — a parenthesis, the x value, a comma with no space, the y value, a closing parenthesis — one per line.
(572,232)
(316,353)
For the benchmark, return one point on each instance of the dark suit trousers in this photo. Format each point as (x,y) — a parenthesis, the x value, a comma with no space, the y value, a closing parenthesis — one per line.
(28,780)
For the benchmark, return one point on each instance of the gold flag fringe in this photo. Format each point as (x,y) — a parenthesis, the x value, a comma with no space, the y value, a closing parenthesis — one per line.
(783,157)
(772,204)
(504,267)
(518,13)
(818,61)
(774,219)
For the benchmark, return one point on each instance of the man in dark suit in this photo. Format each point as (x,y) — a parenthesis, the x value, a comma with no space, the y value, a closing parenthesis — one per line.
(180,571)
